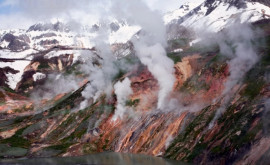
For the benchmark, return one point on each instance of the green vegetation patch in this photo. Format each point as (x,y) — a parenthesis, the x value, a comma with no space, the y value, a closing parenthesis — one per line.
(81,128)
(194,84)
(189,136)
(69,101)
(73,69)
(8,89)
(62,147)
(119,75)
(10,152)
(64,127)
(216,149)
(178,43)
(89,148)
(176,57)
(34,127)
(12,123)
(197,150)
(254,88)
(17,140)
(26,85)
(216,68)
(43,65)
(132,103)
(74,136)
(255,81)
(236,127)
(47,152)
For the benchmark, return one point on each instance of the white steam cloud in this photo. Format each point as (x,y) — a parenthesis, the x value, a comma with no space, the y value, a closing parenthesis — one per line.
(149,45)
(123,91)
(55,85)
(242,51)
(154,57)
(237,43)
(100,76)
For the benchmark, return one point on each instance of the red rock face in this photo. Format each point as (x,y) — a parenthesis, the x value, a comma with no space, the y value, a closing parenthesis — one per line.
(149,131)
(149,134)
(12,103)
(215,82)
(143,81)
(145,88)
(185,69)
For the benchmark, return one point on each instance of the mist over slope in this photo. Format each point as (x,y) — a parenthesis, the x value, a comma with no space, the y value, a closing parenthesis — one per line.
(179,85)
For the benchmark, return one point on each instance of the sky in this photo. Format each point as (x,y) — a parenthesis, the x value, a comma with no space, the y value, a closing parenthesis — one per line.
(24,13)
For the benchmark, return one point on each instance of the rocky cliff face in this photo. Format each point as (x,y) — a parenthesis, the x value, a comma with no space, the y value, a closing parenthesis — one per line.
(16,43)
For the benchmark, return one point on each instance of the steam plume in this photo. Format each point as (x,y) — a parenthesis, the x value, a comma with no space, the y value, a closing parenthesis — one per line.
(237,43)
(122,91)
(149,46)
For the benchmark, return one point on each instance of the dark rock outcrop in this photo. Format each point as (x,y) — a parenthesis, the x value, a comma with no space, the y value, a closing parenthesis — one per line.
(3,77)
(44,35)
(16,43)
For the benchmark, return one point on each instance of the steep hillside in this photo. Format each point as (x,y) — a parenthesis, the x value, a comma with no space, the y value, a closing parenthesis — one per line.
(58,127)
(201,95)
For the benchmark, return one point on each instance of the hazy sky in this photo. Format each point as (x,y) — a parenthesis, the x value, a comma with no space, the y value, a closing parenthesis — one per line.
(23,13)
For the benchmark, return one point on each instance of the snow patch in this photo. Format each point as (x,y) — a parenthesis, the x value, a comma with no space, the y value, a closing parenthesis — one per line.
(195,41)
(224,15)
(124,34)
(76,54)
(39,76)
(182,11)
(13,79)
(4,44)
(17,55)
(177,50)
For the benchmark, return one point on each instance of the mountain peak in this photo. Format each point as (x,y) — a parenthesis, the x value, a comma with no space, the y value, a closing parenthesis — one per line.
(57,26)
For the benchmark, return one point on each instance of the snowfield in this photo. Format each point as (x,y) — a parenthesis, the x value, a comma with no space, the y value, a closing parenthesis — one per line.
(182,11)
(124,34)
(223,16)
(17,55)
(39,76)
(13,79)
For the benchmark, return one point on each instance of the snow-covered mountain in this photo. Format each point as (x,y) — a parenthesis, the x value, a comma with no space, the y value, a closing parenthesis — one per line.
(18,47)
(214,15)
(42,36)
(182,11)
